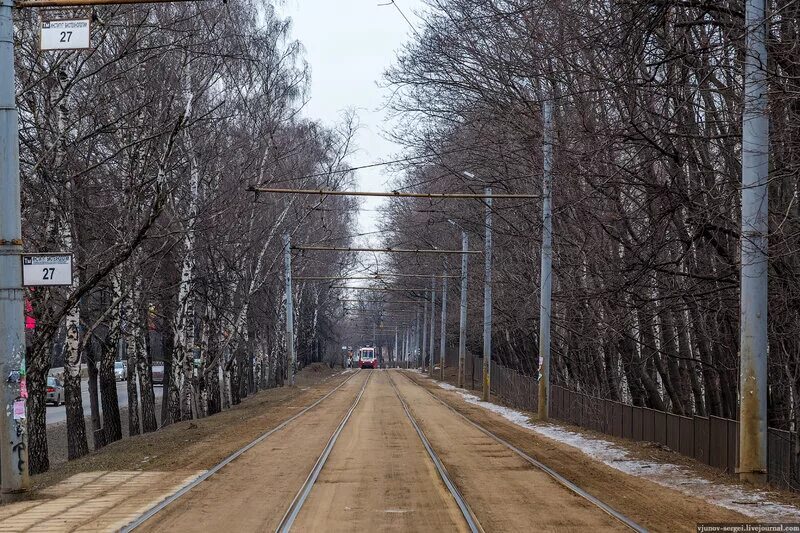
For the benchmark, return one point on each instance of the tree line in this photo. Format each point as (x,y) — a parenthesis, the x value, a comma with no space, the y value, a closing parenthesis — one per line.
(647,100)
(136,156)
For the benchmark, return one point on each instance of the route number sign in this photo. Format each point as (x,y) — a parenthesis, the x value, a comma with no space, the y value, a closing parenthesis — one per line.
(66,34)
(46,269)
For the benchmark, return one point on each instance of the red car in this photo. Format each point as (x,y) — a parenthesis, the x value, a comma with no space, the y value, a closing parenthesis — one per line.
(368,359)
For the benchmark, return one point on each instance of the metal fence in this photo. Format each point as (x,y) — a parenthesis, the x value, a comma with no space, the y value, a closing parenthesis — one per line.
(711,440)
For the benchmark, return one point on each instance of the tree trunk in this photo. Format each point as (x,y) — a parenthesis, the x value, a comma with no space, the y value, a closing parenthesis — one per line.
(77,445)
(212,382)
(711,384)
(38,367)
(128,327)
(235,376)
(145,372)
(112,426)
(166,385)
(94,401)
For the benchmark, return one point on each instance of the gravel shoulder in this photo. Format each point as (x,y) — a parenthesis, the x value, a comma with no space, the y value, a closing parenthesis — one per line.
(653,506)
(196,444)
(253,492)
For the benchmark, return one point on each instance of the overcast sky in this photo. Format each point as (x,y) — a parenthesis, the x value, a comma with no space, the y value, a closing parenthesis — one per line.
(349,44)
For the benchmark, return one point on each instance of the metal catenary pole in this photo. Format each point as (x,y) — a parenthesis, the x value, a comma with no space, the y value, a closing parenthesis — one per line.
(753,334)
(546,281)
(401,356)
(487,301)
(287,254)
(424,345)
(394,353)
(406,345)
(432,339)
(462,320)
(412,339)
(443,334)
(14,478)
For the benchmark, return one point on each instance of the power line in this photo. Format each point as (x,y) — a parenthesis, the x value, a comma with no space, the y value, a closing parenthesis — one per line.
(393,3)
(382,289)
(383,250)
(395,194)
(407,159)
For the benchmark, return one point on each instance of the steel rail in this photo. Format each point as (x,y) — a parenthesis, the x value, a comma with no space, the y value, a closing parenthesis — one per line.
(158,507)
(300,498)
(469,516)
(541,466)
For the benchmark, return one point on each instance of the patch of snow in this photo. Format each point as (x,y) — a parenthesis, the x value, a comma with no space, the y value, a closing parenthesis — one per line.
(746,500)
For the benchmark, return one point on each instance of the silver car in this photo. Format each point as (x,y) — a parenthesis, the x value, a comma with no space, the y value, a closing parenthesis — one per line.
(55,391)
(120,371)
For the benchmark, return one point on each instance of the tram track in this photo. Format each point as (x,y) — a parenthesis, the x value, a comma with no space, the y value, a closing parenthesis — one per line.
(165,502)
(469,516)
(628,522)
(300,498)
(296,506)
(352,423)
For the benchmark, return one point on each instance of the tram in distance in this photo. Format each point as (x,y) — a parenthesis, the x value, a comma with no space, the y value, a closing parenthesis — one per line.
(367,358)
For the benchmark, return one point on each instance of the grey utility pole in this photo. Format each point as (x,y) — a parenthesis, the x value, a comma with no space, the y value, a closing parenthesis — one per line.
(424,345)
(403,346)
(443,335)
(432,339)
(287,254)
(753,324)
(413,339)
(546,274)
(409,348)
(462,320)
(14,477)
(394,354)
(487,300)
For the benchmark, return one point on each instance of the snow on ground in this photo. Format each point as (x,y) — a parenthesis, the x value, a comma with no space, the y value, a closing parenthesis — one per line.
(746,500)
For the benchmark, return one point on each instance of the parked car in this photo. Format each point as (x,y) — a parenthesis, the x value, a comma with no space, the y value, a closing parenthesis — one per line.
(158,374)
(55,391)
(120,371)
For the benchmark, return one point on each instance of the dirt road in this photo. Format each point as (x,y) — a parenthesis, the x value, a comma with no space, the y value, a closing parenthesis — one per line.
(253,492)
(505,492)
(378,476)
